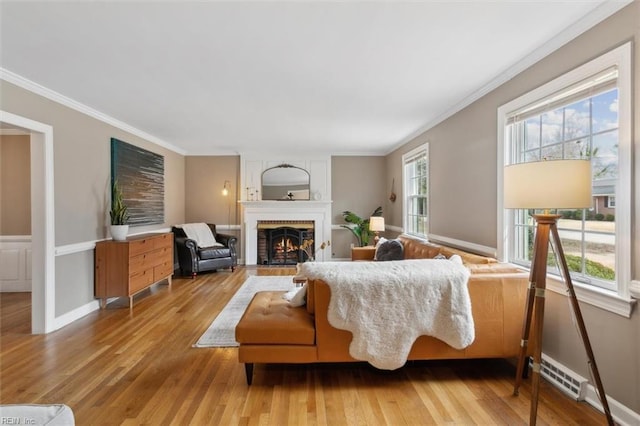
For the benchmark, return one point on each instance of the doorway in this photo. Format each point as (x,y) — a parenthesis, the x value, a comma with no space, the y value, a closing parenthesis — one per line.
(42,220)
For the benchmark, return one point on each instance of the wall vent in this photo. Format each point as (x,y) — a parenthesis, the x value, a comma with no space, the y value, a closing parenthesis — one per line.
(563,378)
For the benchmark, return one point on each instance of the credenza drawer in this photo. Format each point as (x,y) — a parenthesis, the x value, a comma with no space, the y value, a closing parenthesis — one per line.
(140,280)
(162,271)
(140,262)
(141,246)
(149,260)
(163,241)
(164,254)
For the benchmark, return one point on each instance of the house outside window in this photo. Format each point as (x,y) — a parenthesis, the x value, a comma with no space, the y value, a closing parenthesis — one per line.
(415,172)
(583,114)
(611,202)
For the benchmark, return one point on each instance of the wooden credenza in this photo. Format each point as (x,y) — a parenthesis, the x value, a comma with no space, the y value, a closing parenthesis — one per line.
(124,268)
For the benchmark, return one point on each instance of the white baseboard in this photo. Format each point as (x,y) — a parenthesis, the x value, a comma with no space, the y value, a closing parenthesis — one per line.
(76,314)
(15,286)
(621,414)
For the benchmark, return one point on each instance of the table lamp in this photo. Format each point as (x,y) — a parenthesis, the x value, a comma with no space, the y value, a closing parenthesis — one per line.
(376,224)
(544,185)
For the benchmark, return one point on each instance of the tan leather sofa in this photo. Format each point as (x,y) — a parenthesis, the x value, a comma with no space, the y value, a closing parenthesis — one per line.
(272,331)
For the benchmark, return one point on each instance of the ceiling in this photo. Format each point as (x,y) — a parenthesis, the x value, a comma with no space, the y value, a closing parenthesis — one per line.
(215,78)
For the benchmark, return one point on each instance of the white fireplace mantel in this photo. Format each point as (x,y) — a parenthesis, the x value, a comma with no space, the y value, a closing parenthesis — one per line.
(253,211)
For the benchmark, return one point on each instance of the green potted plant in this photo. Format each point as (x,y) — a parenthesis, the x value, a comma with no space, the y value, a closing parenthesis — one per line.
(359,226)
(118,213)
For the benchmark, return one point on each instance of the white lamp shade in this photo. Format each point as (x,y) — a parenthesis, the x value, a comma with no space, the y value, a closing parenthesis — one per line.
(376,223)
(554,184)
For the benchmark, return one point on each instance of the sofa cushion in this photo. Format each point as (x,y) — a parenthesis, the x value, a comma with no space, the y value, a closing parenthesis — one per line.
(214,252)
(269,319)
(420,249)
(467,258)
(390,250)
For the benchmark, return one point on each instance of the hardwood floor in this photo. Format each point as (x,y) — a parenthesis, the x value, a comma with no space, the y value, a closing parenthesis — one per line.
(116,367)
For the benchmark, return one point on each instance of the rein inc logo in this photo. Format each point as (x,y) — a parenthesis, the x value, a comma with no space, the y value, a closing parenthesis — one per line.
(17,421)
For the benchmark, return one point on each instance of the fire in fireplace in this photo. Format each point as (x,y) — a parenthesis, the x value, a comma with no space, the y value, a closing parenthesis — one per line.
(280,245)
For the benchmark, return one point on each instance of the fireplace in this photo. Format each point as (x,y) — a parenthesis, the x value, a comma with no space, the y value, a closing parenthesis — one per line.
(298,214)
(279,242)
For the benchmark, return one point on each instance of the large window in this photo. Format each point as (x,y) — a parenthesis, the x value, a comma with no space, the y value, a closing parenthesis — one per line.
(416,191)
(583,114)
(583,126)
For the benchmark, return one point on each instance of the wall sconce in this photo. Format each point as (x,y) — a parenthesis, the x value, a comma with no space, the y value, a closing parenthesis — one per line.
(225,188)
(376,224)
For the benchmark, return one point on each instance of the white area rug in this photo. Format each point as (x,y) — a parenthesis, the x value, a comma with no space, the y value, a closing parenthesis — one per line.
(222,331)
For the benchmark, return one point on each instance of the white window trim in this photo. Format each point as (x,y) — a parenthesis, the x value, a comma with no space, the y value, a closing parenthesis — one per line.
(618,301)
(424,147)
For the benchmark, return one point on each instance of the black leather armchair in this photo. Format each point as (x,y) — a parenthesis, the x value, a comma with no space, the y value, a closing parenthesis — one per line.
(194,259)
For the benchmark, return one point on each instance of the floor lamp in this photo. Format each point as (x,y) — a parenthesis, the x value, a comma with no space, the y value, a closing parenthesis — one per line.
(548,185)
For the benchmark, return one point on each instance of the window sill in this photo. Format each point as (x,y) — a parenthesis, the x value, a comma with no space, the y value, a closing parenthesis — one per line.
(603,299)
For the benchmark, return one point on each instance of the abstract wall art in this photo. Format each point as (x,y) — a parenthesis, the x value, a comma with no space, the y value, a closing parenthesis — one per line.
(140,174)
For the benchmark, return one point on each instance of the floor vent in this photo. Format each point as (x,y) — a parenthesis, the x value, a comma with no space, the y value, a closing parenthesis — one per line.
(563,378)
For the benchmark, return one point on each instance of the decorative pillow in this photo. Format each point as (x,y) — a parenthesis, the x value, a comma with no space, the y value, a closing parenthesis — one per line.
(297,296)
(380,241)
(390,250)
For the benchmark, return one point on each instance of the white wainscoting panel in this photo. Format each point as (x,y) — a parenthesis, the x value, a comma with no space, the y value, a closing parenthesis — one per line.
(15,263)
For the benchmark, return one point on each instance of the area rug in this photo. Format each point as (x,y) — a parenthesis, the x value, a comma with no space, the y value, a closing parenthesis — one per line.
(221,332)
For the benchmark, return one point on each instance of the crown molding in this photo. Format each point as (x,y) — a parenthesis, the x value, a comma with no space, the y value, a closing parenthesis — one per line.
(587,22)
(36,88)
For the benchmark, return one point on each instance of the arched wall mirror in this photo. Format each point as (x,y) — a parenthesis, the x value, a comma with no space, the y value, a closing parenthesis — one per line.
(285,182)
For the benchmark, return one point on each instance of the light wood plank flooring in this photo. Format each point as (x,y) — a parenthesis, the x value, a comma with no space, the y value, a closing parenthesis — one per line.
(116,367)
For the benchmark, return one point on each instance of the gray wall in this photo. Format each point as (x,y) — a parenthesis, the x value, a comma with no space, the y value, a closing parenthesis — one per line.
(81,149)
(204,179)
(463,159)
(358,184)
(15,185)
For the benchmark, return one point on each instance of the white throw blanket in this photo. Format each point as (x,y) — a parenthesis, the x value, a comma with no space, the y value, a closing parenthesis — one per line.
(201,234)
(388,305)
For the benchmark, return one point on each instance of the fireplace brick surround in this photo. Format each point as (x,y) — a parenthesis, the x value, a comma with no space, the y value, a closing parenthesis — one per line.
(279,242)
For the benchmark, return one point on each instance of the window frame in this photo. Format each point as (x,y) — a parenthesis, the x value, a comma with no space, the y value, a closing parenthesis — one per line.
(618,300)
(406,158)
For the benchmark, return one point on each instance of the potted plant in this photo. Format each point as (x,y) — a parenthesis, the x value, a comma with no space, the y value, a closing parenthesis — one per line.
(359,226)
(118,213)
